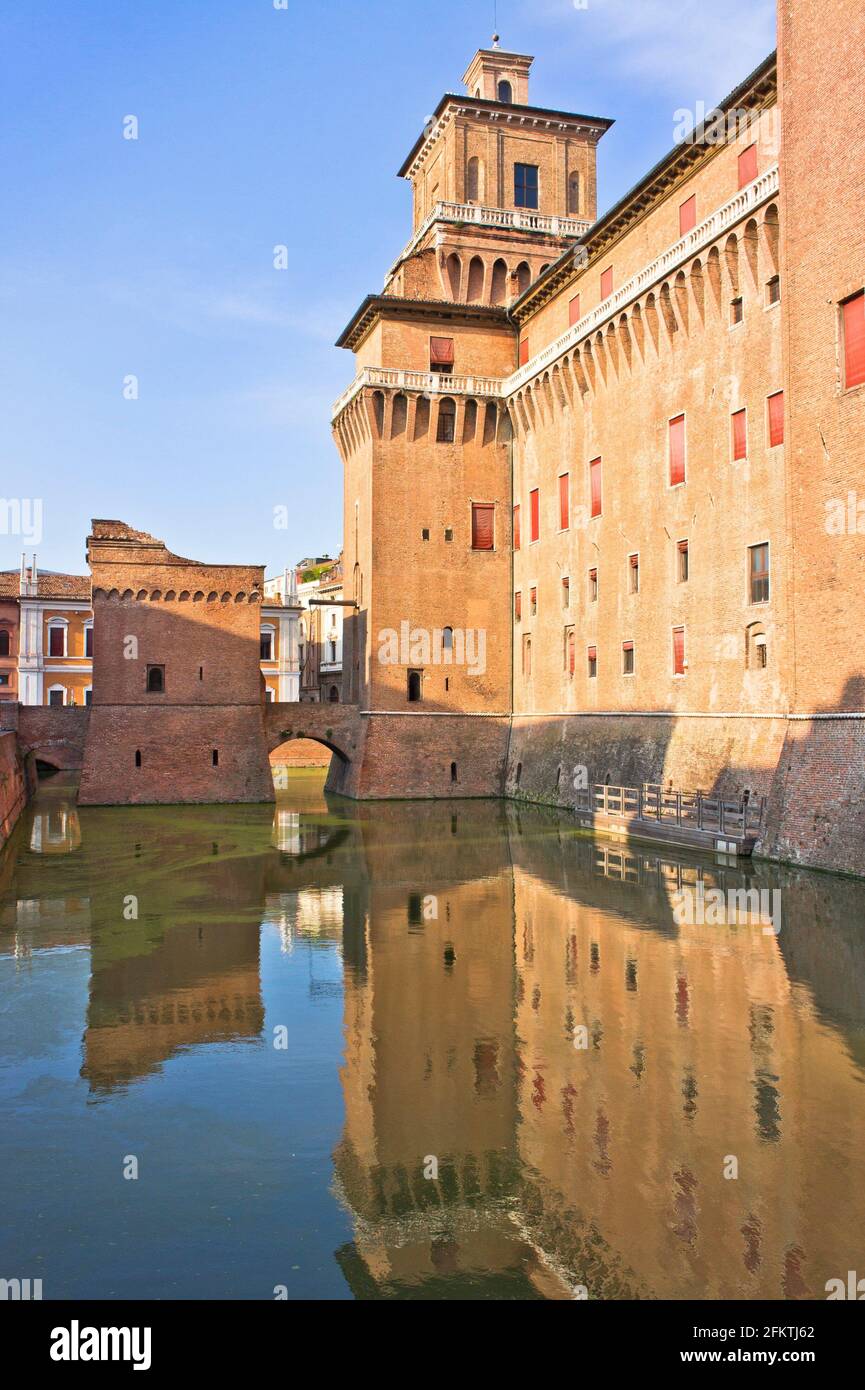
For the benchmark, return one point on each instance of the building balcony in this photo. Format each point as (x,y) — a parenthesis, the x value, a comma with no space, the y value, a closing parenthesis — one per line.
(429,383)
(503,219)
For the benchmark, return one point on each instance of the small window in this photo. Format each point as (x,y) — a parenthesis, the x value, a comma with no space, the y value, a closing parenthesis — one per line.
(607,282)
(517,527)
(483,526)
(446,431)
(526,185)
(679,662)
(424,535)
(527,655)
(138,757)
(441,355)
(88,695)
(215,757)
(534,514)
(682,562)
(57,696)
(633,574)
(747,166)
(853,322)
(737,310)
(564,501)
(773,290)
(566,592)
(533,601)
(453,772)
(570,651)
(677,451)
(415,684)
(574,310)
(265,646)
(88,641)
(758,571)
(518,606)
(592,655)
(627,658)
(449,535)
(156,680)
(334,694)
(506,92)
(761,652)
(5,643)
(775,406)
(740,435)
(596,490)
(688,215)
(593,586)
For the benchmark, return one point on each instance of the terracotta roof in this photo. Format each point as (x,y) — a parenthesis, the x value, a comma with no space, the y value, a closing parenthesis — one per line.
(49,585)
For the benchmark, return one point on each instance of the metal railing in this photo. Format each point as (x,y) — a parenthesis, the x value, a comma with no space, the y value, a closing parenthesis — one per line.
(683,810)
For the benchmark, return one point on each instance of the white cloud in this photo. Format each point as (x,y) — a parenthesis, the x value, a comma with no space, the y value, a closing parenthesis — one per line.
(688,48)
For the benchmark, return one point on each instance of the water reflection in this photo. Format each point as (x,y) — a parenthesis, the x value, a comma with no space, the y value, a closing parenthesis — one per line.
(547,1080)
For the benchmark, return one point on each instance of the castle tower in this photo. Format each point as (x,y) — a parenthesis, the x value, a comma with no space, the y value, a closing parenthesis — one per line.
(501,189)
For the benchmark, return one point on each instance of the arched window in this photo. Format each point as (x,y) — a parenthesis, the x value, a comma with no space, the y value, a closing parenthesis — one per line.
(448,641)
(505,92)
(5,642)
(156,680)
(454,267)
(334,695)
(445,432)
(574,195)
(414,685)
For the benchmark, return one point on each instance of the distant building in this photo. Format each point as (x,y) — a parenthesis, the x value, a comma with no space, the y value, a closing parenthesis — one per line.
(320,634)
(280,614)
(46,636)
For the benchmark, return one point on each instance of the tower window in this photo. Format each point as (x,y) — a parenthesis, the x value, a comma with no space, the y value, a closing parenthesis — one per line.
(740,435)
(853,311)
(526,185)
(138,757)
(453,772)
(688,215)
(566,592)
(677,451)
(737,310)
(483,528)
(506,92)
(414,692)
(627,658)
(776,419)
(592,657)
(758,569)
(593,586)
(682,561)
(446,430)
(441,355)
(747,166)
(679,663)
(773,290)
(216,757)
(156,680)
(633,574)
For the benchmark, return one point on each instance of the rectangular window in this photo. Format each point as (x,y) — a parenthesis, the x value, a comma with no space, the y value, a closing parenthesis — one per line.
(776,419)
(633,574)
(740,434)
(518,606)
(737,310)
(607,282)
(773,290)
(853,311)
(525,185)
(424,535)
(678,651)
(677,451)
(449,535)
(570,651)
(56,697)
(517,527)
(56,641)
(265,646)
(527,654)
(564,502)
(441,355)
(688,214)
(483,526)
(566,593)
(758,570)
(747,166)
(592,655)
(682,562)
(534,515)
(574,310)
(627,658)
(88,641)
(533,601)
(595,480)
(593,586)
(446,427)
(524,351)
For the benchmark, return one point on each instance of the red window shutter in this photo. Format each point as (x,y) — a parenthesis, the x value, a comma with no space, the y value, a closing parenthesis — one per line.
(679,651)
(688,215)
(677,450)
(564,502)
(535,507)
(517,527)
(854,340)
(593,653)
(55,641)
(574,310)
(524,351)
(776,419)
(740,435)
(607,283)
(482,526)
(595,476)
(747,166)
(441,352)
(518,605)
(572,652)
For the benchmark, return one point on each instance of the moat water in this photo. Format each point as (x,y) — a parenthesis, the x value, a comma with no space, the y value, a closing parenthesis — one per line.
(419,1050)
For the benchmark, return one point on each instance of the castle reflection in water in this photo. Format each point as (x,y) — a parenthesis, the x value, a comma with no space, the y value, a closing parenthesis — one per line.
(479,943)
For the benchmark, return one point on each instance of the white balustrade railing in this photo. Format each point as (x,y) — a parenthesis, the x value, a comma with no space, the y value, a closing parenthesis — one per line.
(516,219)
(746,200)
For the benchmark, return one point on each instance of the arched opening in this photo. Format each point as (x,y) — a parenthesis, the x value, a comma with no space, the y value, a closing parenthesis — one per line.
(156,680)
(524,277)
(300,764)
(476,280)
(414,687)
(454,270)
(446,429)
(506,92)
(499,288)
(475,180)
(333,695)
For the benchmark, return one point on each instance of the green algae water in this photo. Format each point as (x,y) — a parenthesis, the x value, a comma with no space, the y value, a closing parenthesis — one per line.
(420,1050)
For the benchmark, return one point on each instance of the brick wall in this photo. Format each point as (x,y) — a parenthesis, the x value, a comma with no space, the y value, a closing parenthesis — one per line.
(13,785)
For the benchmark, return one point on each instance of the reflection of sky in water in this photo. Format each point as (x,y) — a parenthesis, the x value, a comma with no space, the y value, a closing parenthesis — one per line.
(473,983)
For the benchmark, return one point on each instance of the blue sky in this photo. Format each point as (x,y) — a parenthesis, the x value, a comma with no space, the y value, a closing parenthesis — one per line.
(258,127)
